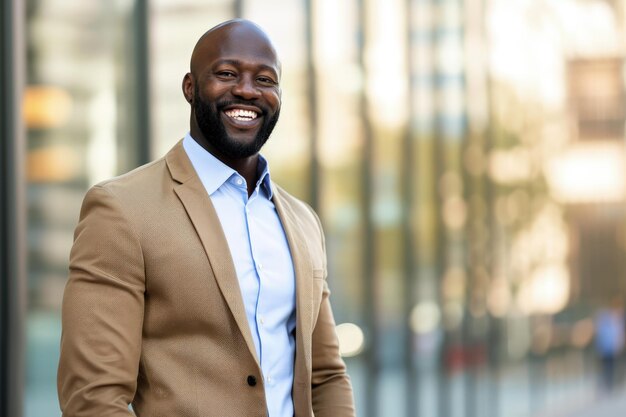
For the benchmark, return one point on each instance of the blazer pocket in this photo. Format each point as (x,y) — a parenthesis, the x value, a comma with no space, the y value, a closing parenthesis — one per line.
(318,290)
(319,274)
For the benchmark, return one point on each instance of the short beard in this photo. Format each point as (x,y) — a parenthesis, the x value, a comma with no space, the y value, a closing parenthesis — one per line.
(208,118)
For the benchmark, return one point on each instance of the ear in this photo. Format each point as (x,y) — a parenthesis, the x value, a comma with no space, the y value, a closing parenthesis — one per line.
(188,87)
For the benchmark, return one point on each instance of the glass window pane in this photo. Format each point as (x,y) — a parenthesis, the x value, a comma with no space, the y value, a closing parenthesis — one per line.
(77,135)
(175,26)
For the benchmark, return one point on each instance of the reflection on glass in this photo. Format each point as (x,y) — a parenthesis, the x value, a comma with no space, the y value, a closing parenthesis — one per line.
(71,108)
(175,26)
(486,136)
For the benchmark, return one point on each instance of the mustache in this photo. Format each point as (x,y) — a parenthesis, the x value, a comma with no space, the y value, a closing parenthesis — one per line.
(225,103)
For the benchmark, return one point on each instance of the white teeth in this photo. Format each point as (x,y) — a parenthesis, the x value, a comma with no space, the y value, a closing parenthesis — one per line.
(240,114)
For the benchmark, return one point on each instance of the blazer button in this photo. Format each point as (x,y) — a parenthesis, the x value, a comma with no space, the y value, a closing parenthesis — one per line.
(251,380)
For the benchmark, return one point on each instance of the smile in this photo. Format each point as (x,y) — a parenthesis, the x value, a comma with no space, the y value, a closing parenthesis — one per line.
(241,115)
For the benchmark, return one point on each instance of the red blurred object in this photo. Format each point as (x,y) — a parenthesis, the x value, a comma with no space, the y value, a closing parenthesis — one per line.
(458,357)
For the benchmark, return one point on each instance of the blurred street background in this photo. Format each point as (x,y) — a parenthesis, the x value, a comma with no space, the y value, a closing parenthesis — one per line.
(466,157)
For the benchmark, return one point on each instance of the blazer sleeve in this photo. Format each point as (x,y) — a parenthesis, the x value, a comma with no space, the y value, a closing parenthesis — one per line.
(331,387)
(102,312)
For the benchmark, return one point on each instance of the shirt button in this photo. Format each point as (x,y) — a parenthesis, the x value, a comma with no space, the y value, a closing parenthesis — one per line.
(239,181)
(251,380)
(261,320)
(260,266)
(269,379)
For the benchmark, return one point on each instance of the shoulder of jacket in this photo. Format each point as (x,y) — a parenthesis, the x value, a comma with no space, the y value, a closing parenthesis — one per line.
(295,203)
(134,178)
(303,212)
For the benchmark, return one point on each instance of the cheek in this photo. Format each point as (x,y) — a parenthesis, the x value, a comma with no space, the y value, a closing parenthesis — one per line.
(273,99)
(213,91)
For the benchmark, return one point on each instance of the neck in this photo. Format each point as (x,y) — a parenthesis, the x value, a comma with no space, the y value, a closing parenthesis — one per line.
(246,167)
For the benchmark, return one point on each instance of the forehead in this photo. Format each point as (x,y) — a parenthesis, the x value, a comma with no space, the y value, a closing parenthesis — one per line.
(238,43)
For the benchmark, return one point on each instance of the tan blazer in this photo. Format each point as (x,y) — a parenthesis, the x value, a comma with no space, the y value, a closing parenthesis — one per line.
(153,313)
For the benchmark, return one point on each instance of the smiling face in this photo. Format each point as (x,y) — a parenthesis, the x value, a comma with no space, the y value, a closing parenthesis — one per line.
(234,90)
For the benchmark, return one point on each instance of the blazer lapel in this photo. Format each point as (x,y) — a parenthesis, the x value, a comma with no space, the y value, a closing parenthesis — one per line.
(304,282)
(197,203)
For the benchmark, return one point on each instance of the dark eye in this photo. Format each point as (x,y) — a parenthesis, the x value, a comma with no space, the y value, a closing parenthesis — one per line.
(225,74)
(266,81)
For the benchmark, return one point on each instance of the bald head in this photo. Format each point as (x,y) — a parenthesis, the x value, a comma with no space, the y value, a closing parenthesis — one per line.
(237,35)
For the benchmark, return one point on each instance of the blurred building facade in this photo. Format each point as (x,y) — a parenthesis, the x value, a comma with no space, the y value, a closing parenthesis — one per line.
(466,159)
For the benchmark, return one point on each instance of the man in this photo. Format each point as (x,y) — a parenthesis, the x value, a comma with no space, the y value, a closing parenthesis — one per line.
(610,338)
(197,286)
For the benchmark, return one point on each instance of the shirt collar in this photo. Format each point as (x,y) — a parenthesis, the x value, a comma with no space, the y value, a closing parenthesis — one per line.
(214,173)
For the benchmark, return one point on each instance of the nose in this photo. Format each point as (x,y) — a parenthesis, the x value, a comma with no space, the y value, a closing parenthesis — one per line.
(245,88)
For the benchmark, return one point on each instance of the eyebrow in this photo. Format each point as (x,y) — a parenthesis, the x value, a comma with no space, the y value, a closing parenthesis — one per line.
(236,63)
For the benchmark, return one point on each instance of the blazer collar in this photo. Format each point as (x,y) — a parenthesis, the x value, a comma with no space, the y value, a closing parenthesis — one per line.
(200,210)
(197,203)
(179,164)
(304,281)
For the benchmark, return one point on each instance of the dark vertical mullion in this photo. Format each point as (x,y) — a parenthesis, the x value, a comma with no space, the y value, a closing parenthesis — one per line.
(12,209)
(439,158)
(472,240)
(141,52)
(408,240)
(238,8)
(473,233)
(493,332)
(494,323)
(314,173)
(472,261)
(369,252)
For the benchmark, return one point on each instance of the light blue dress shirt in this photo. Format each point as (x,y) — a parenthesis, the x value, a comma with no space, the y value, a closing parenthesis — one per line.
(264,267)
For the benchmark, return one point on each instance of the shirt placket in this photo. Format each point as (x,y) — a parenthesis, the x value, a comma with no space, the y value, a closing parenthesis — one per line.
(260,316)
